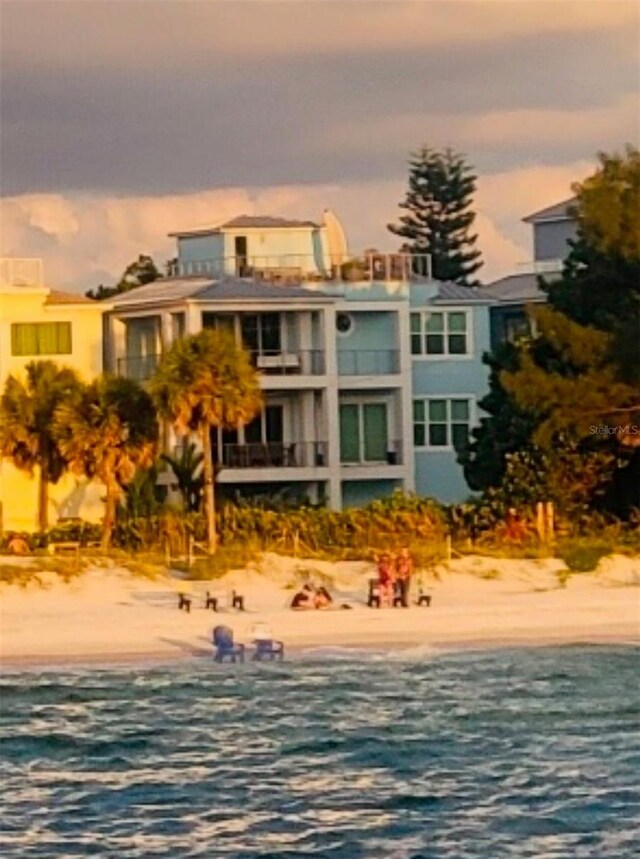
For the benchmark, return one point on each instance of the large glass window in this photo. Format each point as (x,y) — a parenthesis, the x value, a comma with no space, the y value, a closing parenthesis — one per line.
(442,423)
(442,332)
(363,432)
(261,333)
(41,338)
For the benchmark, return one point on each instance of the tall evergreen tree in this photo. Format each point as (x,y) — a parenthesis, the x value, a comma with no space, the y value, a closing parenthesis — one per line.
(583,369)
(439,218)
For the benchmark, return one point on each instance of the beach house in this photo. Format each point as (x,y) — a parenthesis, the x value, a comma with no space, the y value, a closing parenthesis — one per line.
(553,228)
(41,323)
(372,371)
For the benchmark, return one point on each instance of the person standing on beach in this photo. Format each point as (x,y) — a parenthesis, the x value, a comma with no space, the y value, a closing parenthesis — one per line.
(385,579)
(404,571)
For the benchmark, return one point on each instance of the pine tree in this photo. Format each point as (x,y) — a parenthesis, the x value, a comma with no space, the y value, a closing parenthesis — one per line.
(439,218)
(578,381)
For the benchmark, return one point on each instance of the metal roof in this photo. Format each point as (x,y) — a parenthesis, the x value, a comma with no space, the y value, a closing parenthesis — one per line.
(448,291)
(246,222)
(514,288)
(558,212)
(207,289)
(267,221)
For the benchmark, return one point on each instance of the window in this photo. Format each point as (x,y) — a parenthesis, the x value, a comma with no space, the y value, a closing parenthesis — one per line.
(363,432)
(344,323)
(41,338)
(441,423)
(442,332)
(261,333)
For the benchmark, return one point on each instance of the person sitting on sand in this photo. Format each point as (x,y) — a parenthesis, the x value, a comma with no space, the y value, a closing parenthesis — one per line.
(304,599)
(323,598)
(17,545)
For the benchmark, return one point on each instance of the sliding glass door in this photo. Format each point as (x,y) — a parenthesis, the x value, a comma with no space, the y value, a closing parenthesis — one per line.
(363,432)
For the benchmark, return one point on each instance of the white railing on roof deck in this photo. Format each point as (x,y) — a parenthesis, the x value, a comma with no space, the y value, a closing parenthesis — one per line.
(306,267)
(15,271)
(540,266)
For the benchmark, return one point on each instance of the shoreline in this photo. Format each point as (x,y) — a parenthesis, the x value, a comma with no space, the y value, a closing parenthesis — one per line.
(108,618)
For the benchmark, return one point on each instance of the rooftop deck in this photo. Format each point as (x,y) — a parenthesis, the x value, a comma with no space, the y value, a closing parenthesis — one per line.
(297,268)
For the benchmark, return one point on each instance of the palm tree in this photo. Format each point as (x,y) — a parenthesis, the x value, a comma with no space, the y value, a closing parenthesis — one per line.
(109,432)
(206,381)
(26,424)
(187,468)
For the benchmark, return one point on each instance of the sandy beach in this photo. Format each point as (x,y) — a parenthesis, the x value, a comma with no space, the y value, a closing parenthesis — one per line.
(110,615)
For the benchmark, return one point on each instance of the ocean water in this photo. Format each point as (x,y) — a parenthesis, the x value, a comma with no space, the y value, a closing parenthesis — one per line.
(512,753)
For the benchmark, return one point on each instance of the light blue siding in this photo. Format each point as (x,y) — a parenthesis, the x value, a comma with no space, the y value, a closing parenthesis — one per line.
(437,472)
(551,240)
(438,475)
(200,248)
(358,493)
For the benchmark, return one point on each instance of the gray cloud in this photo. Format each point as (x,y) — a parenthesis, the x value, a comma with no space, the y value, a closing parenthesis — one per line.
(151,98)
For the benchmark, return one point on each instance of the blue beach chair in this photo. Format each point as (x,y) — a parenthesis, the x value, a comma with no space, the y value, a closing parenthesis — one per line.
(224,645)
(266,647)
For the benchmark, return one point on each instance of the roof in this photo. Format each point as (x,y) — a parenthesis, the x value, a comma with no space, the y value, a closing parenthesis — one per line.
(448,291)
(558,212)
(207,289)
(514,289)
(258,221)
(247,222)
(57,297)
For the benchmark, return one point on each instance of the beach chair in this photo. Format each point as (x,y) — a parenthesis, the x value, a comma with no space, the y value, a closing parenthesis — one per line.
(266,647)
(224,646)
(184,602)
(374,598)
(424,598)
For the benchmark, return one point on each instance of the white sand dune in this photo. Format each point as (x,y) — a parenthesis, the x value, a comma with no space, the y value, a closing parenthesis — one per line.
(106,616)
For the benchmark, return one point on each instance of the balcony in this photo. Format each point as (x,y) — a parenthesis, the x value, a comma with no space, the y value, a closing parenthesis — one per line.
(392,455)
(296,268)
(309,362)
(368,362)
(140,368)
(299,454)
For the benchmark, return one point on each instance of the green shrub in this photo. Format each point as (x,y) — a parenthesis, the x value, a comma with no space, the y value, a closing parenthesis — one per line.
(582,555)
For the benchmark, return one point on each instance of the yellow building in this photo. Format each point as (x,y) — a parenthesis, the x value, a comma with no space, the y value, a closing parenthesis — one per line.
(37,322)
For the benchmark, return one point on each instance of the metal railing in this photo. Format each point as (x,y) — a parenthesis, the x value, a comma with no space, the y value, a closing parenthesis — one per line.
(540,266)
(138,367)
(297,454)
(307,267)
(392,455)
(20,272)
(306,362)
(368,362)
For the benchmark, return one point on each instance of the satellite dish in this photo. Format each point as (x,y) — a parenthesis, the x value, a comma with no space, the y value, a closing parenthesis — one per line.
(337,250)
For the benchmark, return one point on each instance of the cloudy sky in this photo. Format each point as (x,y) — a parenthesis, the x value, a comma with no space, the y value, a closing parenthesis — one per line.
(121,121)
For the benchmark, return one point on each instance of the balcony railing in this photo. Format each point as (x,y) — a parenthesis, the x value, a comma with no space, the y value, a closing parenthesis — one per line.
(306,267)
(140,367)
(298,454)
(20,272)
(306,362)
(392,455)
(368,362)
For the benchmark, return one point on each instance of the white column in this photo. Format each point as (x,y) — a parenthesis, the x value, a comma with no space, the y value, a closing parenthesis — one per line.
(193,319)
(166,332)
(406,395)
(332,410)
